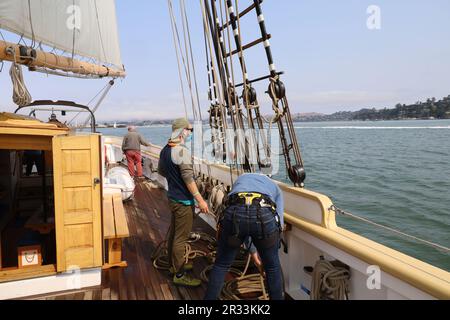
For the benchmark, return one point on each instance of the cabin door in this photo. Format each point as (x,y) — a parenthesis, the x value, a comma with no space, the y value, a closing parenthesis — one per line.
(77,182)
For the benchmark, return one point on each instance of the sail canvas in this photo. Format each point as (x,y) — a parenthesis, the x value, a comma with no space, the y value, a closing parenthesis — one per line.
(86,28)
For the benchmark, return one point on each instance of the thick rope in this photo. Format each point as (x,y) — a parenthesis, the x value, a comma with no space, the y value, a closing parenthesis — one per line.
(329,282)
(21,95)
(161,256)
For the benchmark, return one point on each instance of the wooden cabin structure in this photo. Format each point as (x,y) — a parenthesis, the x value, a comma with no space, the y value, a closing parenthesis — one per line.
(55,207)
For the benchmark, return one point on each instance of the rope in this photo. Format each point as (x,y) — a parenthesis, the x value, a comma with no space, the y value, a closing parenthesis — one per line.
(329,282)
(238,111)
(426,242)
(21,95)
(189,42)
(161,255)
(188,62)
(215,68)
(99,30)
(89,103)
(250,284)
(215,201)
(173,26)
(33,38)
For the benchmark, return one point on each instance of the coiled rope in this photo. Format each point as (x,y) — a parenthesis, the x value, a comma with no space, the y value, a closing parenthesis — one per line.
(21,95)
(161,255)
(243,284)
(329,281)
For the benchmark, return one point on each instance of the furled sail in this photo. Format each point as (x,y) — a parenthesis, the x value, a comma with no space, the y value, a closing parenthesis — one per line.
(86,28)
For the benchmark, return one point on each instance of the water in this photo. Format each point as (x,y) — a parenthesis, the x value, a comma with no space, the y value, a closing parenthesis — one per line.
(395,173)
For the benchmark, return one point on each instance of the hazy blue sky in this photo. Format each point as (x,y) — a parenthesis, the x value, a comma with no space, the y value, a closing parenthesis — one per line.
(331,59)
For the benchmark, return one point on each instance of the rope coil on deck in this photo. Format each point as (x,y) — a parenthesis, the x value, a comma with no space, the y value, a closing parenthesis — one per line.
(242,284)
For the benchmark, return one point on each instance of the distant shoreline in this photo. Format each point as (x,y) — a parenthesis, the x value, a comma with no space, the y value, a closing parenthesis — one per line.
(387,120)
(169,122)
(432,109)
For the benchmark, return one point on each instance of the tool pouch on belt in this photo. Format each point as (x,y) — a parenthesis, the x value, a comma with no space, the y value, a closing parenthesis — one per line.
(233,240)
(268,241)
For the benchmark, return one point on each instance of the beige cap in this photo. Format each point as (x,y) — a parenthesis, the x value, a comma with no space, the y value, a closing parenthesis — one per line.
(178,126)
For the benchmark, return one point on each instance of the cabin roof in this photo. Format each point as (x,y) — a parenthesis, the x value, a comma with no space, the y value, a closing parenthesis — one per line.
(14,124)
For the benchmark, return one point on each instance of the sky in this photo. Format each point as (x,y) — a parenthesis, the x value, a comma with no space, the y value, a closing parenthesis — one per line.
(331,59)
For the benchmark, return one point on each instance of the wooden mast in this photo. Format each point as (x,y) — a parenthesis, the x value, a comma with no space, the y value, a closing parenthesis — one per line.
(37,58)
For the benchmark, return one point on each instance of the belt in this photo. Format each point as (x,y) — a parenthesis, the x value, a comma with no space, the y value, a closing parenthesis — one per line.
(251,199)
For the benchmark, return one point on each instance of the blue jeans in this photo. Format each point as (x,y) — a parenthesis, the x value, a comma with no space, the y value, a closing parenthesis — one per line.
(242,222)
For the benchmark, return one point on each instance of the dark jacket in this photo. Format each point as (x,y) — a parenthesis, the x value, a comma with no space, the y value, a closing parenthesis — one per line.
(175,164)
(133,141)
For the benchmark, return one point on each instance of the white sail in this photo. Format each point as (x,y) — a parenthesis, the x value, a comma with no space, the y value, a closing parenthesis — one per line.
(86,28)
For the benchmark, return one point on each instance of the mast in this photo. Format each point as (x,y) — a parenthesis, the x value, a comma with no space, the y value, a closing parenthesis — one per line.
(249,95)
(277,91)
(230,95)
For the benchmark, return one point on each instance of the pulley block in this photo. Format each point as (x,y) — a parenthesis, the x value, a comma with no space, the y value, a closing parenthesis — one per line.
(278,88)
(297,175)
(251,95)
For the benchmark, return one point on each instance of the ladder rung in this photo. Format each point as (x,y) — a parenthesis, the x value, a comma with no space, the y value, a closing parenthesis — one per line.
(243,13)
(248,46)
(260,79)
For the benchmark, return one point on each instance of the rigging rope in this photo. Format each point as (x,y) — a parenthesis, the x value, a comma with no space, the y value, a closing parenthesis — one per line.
(252,105)
(21,95)
(230,23)
(220,94)
(242,145)
(426,242)
(189,43)
(172,24)
(103,90)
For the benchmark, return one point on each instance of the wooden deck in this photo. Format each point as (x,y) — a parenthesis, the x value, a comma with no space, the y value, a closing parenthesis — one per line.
(148,220)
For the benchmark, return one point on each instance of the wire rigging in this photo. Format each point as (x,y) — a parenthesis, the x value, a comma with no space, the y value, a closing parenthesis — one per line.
(392,230)
(178,57)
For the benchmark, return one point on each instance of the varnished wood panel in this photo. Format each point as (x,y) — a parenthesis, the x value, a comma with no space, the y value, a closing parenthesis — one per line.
(79,235)
(109,230)
(120,218)
(28,273)
(79,258)
(77,202)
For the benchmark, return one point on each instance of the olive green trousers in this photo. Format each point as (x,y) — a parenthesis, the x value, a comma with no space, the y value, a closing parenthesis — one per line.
(180,228)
